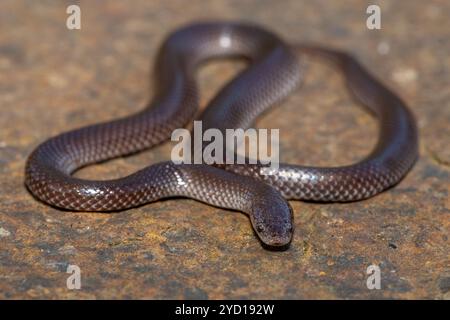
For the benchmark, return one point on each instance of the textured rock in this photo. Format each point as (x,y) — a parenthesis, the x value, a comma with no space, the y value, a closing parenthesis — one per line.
(54,79)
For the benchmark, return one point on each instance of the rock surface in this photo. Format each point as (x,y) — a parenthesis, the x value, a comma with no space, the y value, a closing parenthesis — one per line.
(54,79)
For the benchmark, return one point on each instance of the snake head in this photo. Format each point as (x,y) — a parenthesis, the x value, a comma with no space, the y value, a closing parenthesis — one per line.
(273,222)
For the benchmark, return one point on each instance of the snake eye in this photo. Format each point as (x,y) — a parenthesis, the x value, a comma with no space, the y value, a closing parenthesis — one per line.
(259,228)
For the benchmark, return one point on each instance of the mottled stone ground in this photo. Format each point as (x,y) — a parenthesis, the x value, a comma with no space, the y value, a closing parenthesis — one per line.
(53,79)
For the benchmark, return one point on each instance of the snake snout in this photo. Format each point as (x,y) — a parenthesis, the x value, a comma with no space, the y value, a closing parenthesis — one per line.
(274,224)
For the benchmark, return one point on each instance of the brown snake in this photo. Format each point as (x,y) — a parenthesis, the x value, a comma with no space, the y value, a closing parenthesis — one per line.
(273,72)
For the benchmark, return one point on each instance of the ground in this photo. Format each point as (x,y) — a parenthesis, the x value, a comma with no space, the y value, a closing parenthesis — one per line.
(54,79)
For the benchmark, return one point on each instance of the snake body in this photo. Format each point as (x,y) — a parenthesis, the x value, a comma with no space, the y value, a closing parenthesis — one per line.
(273,72)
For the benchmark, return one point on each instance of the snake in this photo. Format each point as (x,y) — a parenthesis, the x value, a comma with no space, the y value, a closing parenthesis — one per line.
(273,71)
